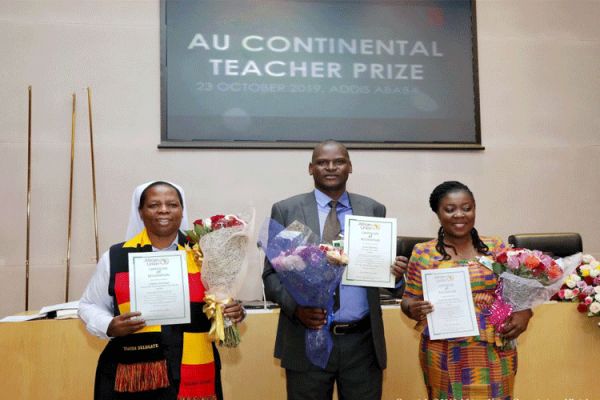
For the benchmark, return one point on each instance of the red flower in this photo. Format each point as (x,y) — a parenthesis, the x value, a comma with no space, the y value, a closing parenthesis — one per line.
(537,271)
(217,222)
(532,262)
(199,222)
(502,257)
(582,308)
(554,271)
(232,221)
(582,296)
(589,280)
(216,218)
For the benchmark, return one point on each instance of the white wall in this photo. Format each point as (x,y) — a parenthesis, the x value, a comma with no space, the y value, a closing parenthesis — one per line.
(540,171)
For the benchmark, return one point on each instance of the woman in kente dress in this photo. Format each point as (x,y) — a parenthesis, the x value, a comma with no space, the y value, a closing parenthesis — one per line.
(476,367)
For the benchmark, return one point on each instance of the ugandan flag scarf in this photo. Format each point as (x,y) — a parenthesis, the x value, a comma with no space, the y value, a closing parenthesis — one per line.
(159,361)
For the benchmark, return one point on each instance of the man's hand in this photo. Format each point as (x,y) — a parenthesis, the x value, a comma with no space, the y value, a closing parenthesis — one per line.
(234,311)
(125,324)
(399,267)
(312,318)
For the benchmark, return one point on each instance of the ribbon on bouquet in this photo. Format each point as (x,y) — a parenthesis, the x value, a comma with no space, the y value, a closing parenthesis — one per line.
(500,310)
(213,309)
(196,254)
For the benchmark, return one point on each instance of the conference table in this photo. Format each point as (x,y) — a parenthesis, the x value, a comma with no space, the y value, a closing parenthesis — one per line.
(56,359)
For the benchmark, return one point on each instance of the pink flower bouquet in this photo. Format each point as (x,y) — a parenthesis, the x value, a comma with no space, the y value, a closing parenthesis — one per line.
(527,278)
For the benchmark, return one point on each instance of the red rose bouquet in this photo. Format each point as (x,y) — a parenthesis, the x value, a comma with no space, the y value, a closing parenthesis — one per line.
(219,245)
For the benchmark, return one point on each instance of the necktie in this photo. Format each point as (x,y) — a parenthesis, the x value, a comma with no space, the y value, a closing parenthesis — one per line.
(331,231)
(332,228)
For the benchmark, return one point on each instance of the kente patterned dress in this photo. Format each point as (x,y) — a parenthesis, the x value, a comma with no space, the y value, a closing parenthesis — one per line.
(471,367)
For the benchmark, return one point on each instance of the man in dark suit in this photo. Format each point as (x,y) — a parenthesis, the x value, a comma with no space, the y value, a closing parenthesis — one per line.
(358,357)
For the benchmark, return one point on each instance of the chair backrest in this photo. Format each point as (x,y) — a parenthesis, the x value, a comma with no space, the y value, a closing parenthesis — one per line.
(404,247)
(405,244)
(556,244)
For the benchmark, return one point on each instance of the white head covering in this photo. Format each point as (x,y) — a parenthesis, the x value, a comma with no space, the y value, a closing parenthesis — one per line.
(136,224)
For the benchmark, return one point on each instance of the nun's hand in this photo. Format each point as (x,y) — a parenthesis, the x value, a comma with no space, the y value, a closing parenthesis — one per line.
(234,311)
(125,324)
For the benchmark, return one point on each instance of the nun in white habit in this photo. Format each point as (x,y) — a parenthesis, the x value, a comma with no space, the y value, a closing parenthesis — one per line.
(156,219)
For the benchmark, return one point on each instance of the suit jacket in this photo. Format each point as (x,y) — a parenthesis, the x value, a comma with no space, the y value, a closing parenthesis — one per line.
(289,344)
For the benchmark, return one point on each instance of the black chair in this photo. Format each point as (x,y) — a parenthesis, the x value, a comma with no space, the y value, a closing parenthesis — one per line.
(405,244)
(404,247)
(555,244)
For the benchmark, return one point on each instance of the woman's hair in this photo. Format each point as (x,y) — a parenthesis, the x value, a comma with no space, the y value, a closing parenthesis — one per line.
(441,191)
(158,183)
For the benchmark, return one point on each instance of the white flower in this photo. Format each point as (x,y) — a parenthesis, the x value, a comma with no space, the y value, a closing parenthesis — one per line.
(294,263)
(588,258)
(597,297)
(595,272)
(288,263)
(594,308)
(207,223)
(568,294)
(595,264)
(337,258)
(597,289)
(572,280)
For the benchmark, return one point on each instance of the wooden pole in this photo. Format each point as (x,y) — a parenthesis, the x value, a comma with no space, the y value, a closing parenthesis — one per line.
(89,93)
(73,120)
(28,201)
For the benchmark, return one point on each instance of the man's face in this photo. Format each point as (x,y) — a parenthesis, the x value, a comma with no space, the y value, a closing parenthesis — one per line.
(330,168)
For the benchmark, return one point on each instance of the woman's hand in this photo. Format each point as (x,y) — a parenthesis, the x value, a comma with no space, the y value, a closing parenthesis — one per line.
(125,324)
(399,267)
(416,309)
(516,324)
(234,311)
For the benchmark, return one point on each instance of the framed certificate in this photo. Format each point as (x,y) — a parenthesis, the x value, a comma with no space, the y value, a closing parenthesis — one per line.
(370,243)
(159,287)
(449,290)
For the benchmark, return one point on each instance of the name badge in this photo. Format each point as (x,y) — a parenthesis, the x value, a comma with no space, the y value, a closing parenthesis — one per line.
(486,262)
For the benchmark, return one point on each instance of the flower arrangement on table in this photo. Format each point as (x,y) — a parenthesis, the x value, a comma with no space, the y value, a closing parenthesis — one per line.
(310,272)
(219,246)
(583,286)
(527,278)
